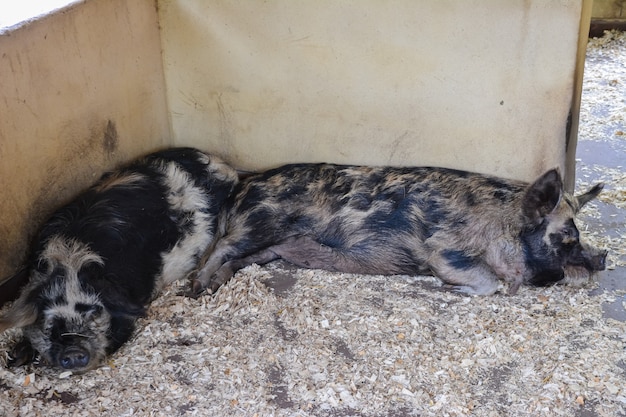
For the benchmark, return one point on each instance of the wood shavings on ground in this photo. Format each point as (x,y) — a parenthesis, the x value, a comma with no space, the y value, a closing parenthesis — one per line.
(343,345)
(603,105)
(280,341)
(602,139)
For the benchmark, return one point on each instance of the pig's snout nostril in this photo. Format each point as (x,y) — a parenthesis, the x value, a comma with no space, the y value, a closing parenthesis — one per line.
(597,262)
(74,358)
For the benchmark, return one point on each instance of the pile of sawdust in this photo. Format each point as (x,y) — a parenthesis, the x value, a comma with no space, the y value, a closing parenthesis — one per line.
(339,344)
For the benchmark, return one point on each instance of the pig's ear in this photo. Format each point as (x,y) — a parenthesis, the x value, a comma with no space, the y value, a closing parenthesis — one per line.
(542,196)
(21,314)
(583,199)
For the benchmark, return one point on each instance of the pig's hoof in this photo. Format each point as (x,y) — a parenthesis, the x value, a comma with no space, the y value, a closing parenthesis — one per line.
(195,290)
(459,289)
(21,354)
(466,290)
(214,286)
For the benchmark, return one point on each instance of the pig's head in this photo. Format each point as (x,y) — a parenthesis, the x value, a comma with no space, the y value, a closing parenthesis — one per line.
(63,320)
(549,236)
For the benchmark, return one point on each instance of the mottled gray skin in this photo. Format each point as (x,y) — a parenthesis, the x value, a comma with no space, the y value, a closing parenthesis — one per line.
(469,230)
(99,261)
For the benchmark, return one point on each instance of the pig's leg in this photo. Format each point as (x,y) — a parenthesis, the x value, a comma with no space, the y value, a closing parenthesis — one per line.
(302,251)
(224,250)
(463,273)
(306,252)
(225,259)
(21,354)
(228,269)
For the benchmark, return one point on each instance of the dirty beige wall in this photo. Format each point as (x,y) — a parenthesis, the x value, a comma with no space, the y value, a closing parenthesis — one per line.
(80,91)
(571,141)
(609,9)
(483,85)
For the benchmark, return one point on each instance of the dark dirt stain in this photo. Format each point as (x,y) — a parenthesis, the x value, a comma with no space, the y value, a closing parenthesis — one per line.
(282,280)
(351,412)
(622,365)
(587,410)
(110,140)
(176,358)
(615,309)
(185,408)
(610,280)
(576,341)
(184,378)
(377,302)
(62,397)
(177,321)
(184,342)
(499,376)
(342,349)
(613,281)
(278,388)
(402,412)
(285,334)
(588,323)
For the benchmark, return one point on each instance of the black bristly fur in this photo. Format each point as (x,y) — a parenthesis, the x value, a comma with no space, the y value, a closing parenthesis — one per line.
(130,233)
(101,259)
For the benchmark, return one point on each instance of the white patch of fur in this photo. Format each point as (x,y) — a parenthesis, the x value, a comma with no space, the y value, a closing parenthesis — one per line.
(68,253)
(120,179)
(557,220)
(184,196)
(219,169)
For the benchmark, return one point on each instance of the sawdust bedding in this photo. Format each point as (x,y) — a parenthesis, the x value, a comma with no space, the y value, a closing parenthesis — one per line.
(603,119)
(280,341)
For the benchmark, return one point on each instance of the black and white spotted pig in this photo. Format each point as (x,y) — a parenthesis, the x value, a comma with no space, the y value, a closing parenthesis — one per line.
(470,230)
(99,261)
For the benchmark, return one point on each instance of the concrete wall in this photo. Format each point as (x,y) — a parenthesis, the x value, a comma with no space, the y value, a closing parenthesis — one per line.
(484,85)
(80,90)
(609,9)
(607,15)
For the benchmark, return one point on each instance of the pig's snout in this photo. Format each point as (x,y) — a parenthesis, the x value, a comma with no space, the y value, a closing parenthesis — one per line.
(592,259)
(74,357)
(597,261)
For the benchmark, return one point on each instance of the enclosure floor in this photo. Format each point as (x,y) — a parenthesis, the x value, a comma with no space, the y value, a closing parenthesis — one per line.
(282,341)
(601,157)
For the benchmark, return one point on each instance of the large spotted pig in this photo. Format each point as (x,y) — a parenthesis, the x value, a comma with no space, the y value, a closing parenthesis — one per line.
(100,260)
(470,230)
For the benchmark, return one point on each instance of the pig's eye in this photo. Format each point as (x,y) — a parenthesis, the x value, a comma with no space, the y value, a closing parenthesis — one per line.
(569,234)
(88,309)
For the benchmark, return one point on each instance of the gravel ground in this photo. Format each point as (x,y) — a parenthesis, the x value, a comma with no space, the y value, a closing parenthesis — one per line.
(281,341)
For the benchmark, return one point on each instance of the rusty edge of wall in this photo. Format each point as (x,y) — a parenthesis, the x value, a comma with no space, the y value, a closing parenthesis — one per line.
(572,131)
